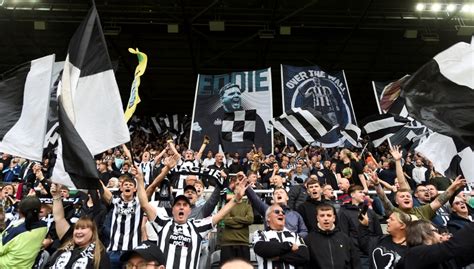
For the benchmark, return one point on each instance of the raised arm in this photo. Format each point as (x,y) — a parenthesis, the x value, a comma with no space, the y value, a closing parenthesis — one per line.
(106,194)
(170,162)
(239,193)
(173,147)
(256,202)
(158,157)
(397,155)
(380,192)
(149,210)
(444,197)
(202,148)
(127,152)
(60,222)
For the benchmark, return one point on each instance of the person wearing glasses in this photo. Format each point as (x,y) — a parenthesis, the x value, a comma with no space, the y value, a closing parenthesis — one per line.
(422,233)
(385,251)
(459,216)
(277,247)
(427,250)
(144,256)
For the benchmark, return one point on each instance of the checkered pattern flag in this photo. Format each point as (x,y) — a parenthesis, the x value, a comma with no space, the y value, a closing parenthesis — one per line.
(239,125)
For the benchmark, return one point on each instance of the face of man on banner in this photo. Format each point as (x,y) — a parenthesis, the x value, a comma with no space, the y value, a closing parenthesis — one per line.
(230,96)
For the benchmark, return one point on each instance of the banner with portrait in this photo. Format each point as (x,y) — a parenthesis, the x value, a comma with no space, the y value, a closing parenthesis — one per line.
(327,93)
(234,110)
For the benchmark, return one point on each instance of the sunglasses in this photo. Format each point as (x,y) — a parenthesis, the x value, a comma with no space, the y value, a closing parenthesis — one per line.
(278,212)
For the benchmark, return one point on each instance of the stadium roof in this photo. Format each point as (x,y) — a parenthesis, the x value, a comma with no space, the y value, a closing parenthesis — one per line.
(370,40)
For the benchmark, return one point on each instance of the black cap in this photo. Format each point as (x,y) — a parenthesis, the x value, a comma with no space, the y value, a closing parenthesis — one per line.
(147,251)
(182,198)
(30,203)
(190,187)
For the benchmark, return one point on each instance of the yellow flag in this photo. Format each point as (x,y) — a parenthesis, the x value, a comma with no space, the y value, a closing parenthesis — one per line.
(134,98)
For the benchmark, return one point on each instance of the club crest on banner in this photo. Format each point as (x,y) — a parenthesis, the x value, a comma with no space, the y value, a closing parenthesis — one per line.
(321,91)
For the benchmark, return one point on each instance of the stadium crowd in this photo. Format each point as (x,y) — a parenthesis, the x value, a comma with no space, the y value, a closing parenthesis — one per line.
(382,207)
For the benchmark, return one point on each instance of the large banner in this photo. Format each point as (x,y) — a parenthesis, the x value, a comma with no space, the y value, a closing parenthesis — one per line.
(324,92)
(234,110)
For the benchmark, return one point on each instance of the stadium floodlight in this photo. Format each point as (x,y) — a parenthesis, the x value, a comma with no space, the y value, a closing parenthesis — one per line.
(420,7)
(451,7)
(435,7)
(466,8)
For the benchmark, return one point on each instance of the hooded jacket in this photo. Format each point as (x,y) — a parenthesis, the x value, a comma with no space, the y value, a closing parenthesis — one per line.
(307,211)
(331,250)
(348,222)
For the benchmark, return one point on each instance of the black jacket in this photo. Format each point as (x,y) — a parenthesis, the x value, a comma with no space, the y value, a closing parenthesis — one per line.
(456,222)
(296,196)
(458,249)
(307,210)
(331,250)
(348,222)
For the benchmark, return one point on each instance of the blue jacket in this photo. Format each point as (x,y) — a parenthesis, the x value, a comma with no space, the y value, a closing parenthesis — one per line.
(293,220)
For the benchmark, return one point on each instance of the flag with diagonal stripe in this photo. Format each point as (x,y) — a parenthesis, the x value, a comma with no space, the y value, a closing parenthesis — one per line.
(381,127)
(91,117)
(303,126)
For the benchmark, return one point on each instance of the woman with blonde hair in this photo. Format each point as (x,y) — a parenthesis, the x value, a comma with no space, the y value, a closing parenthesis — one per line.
(385,251)
(81,248)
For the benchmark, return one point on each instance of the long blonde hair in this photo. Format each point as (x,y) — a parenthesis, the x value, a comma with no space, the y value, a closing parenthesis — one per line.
(86,222)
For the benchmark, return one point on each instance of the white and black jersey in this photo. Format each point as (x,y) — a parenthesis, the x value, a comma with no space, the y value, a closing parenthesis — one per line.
(125,231)
(181,243)
(275,236)
(147,170)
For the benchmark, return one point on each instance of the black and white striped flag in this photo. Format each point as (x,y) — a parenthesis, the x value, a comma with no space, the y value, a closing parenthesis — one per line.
(451,157)
(351,134)
(381,127)
(410,135)
(440,94)
(302,126)
(24,100)
(90,109)
(52,127)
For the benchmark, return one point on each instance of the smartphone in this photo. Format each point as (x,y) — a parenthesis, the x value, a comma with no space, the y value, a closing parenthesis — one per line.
(363,211)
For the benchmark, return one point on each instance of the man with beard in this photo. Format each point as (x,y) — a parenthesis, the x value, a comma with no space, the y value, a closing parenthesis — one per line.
(442,214)
(403,197)
(294,222)
(307,209)
(328,246)
(422,196)
(180,237)
(277,247)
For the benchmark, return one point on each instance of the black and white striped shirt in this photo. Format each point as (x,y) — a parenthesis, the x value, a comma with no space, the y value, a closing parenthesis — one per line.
(147,170)
(181,243)
(125,231)
(278,236)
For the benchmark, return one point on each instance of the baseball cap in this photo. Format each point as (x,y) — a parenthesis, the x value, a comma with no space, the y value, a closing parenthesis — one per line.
(190,187)
(181,198)
(147,251)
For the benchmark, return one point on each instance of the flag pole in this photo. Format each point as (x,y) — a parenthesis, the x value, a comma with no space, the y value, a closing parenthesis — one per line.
(379,108)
